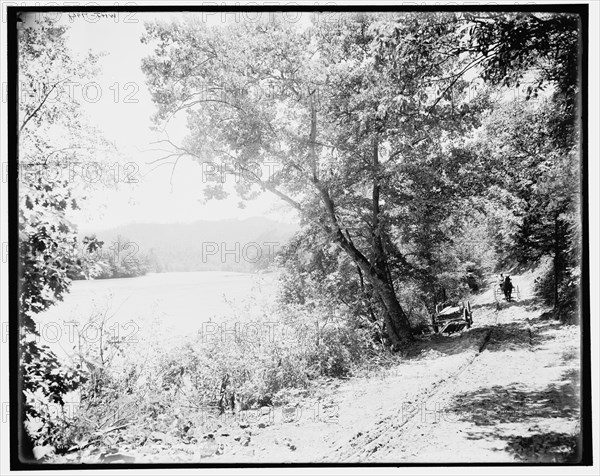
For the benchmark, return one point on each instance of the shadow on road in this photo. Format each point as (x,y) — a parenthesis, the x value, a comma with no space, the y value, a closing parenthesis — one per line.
(491,407)
(508,336)
(550,447)
(443,344)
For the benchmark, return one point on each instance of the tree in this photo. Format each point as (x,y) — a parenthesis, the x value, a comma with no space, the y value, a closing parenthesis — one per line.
(514,44)
(339,108)
(535,142)
(122,260)
(319,276)
(542,180)
(51,133)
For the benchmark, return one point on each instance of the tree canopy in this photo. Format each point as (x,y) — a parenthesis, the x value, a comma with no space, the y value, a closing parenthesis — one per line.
(372,122)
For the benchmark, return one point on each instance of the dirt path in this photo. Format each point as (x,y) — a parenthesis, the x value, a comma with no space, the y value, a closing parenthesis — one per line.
(517,400)
(505,391)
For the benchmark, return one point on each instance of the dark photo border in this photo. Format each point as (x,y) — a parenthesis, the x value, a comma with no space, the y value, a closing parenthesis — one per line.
(13,217)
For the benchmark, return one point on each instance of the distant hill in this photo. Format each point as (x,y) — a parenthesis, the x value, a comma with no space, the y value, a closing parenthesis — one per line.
(225,245)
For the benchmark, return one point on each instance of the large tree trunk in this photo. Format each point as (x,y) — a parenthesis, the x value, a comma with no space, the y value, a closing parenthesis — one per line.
(395,320)
(376,270)
(394,317)
(368,294)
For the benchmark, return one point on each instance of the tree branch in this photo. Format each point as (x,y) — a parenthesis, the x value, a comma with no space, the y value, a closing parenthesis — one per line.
(40,105)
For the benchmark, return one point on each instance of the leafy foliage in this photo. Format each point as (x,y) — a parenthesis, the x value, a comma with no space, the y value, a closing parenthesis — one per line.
(51,134)
(539,173)
(513,44)
(48,253)
(346,119)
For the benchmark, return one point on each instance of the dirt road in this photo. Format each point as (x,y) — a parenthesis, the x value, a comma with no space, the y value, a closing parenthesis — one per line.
(516,400)
(507,390)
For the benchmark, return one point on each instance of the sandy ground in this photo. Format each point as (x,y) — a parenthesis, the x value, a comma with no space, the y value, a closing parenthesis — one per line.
(507,390)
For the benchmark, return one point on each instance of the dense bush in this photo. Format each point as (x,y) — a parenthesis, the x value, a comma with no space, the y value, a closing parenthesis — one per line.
(567,291)
(246,361)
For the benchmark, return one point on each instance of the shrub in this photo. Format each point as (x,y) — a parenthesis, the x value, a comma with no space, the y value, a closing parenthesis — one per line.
(567,307)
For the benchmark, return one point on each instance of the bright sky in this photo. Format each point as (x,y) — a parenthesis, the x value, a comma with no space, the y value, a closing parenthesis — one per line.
(123,112)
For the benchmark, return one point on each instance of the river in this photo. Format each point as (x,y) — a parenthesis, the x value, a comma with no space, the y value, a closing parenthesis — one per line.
(170,304)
